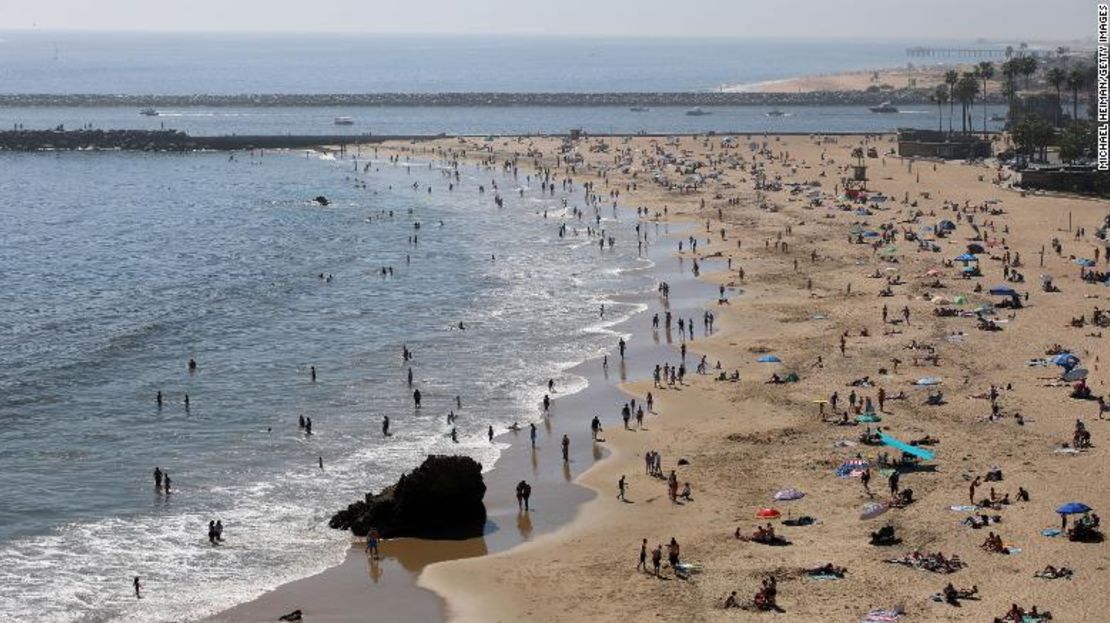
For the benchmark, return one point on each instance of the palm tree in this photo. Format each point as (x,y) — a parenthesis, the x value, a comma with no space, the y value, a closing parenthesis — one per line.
(1009,51)
(1076,80)
(951,77)
(1057,77)
(985,71)
(940,96)
(966,90)
(1027,68)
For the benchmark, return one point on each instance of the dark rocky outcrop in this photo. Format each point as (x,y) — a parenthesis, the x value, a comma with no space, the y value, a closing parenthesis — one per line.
(441,499)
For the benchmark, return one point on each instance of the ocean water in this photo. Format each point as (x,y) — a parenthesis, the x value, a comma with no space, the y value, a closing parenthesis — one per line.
(487,120)
(117,268)
(179,63)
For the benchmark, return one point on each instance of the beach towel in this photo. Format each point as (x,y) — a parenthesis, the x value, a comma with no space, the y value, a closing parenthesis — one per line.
(1050,532)
(881,616)
(823,576)
(1013,550)
(962,508)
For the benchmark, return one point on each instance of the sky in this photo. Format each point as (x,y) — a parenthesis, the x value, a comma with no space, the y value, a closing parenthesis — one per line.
(1032,20)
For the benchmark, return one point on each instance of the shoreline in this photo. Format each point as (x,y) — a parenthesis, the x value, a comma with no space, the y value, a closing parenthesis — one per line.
(393,583)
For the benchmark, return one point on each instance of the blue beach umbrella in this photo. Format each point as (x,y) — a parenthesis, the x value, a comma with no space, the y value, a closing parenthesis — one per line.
(1003,291)
(769,359)
(1082,261)
(1073,508)
(920,453)
(949,225)
(966,257)
(870,234)
(1065,360)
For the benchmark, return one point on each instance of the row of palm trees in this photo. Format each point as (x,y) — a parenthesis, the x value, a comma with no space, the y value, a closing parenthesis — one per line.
(965,87)
(962,88)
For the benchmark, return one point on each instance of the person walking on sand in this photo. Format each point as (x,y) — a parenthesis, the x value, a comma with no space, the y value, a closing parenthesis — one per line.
(657,558)
(643,557)
(566,449)
(971,490)
(621,485)
(372,541)
(865,478)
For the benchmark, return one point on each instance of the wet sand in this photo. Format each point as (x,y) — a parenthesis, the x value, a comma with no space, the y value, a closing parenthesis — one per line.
(388,589)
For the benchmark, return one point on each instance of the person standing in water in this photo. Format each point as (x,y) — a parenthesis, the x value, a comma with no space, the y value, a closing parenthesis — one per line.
(532,434)
(138,587)
(491,433)
(158,399)
(166,482)
(416,397)
(385,426)
(312,371)
(158,478)
(566,449)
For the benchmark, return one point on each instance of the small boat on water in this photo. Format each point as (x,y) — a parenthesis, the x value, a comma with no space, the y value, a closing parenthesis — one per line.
(884,107)
(148,112)
(639,109)
(775,112)
(696,111)
(344,121)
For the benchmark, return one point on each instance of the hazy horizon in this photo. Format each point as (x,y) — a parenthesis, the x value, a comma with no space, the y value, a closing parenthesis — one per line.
(1065,21)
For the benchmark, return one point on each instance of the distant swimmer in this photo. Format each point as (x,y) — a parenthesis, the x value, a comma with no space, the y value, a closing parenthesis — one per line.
(410,379)
(462,327)
(312,371)
(192,365)
(385,426)
(455,435)
(158,399)
(416,397)
(158,478)
(138,587)
(491,433)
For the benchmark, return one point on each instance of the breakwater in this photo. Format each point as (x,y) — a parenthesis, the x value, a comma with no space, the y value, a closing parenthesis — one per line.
(172,140)
(711,98)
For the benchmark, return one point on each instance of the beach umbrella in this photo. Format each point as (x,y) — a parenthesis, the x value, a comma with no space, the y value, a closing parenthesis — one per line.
(1075,374)
(870,234)
(966,257)
(768,513)
(920,453)
(1082,261)
(974,248)
(852,468)
(960,299)
(787,495)
(1065,360)
(1073,508)
(768,359)
(949,225)
(868,418)
(928,380)
(872,510)
(1003,291)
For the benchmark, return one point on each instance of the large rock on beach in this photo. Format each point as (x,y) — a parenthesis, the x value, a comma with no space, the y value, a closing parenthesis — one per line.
(441,499)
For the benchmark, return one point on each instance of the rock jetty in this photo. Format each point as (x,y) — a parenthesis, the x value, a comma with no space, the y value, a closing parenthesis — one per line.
(441,499)
(688,99)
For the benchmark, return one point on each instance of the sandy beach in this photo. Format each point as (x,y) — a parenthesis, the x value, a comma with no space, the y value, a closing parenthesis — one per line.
(744,441)
(925,76)
(807,281)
